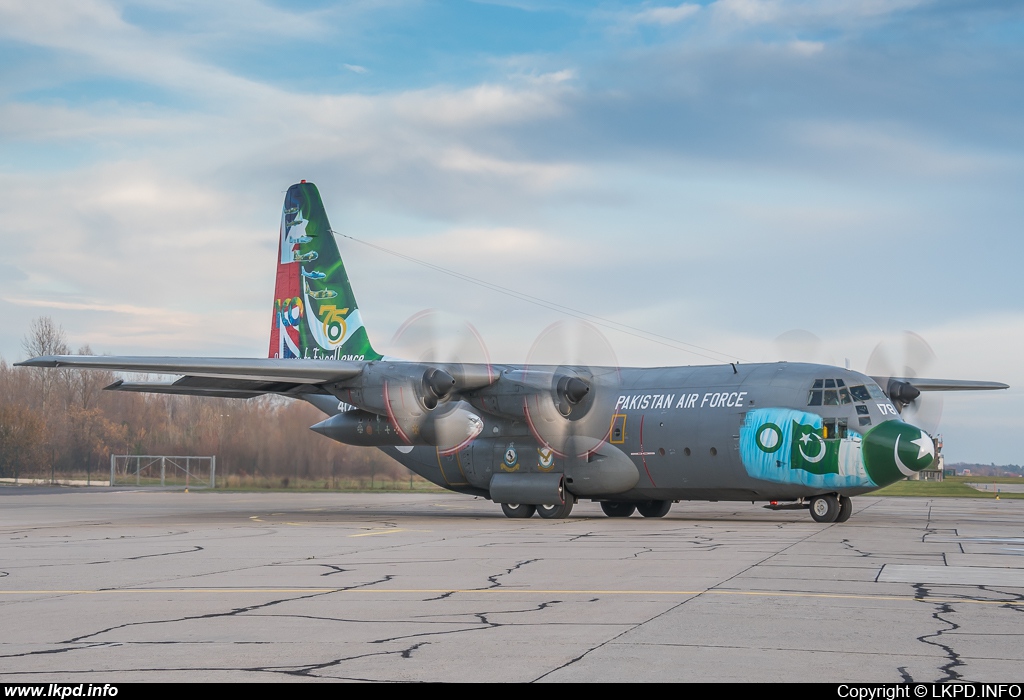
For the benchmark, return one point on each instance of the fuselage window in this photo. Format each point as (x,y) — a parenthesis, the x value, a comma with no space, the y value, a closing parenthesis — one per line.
(835,428)
(618,435)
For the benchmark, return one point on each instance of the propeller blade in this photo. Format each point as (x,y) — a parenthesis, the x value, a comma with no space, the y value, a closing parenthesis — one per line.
(894,364)
(798,345)
(454,345)
(573,363)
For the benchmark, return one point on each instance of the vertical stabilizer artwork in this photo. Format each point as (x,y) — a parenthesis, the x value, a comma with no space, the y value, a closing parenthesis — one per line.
(315,313)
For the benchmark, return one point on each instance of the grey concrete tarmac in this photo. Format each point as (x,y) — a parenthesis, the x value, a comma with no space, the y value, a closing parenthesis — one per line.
(124,585)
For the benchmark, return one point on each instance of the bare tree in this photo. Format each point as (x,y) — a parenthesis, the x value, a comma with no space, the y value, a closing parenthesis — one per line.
(86,385)
(45,337)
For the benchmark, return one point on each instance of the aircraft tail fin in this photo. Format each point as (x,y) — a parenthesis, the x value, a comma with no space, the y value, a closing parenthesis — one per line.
(315,312)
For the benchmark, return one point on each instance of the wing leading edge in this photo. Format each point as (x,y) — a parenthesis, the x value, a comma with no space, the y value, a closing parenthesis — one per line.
(240,378)
(926,384)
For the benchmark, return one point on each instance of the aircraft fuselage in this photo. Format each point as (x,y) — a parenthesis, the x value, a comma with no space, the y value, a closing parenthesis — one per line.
(682,428)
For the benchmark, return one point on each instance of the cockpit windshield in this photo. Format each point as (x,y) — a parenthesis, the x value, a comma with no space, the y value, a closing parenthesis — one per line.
(834,392)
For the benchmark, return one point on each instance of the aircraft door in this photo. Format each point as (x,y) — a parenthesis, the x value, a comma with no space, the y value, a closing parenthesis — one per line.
(456,468)
(475,462)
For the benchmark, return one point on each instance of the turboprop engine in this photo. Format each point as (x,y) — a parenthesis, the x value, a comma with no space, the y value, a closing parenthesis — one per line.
(407,404)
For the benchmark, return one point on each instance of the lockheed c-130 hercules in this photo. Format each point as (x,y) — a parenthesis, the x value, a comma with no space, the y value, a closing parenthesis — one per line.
(536,438)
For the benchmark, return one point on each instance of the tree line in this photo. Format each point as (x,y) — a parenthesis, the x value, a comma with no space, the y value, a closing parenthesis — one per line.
(61,424)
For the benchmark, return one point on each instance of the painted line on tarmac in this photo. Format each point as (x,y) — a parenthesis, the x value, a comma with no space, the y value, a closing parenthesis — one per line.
(386,531)
(513,591)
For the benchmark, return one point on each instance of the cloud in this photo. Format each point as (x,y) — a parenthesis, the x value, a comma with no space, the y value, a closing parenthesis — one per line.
(666,15)
(893,147)
(354,68)
(805,13)
(779,151)
(806,48)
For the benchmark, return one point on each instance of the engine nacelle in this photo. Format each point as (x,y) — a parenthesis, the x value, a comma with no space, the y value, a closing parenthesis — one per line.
(446,429)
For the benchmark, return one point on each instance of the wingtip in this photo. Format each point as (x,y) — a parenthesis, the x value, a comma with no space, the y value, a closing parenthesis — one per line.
(42,361)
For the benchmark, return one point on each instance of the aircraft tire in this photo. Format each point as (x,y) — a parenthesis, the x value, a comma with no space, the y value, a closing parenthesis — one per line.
(517,510)
(845,509)
(617,509)
(825,508)
(654,509)
(556,512)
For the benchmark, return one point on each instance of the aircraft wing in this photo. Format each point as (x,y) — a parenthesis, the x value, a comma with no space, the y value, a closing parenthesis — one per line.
(227,389)
(925,384)
(214,376)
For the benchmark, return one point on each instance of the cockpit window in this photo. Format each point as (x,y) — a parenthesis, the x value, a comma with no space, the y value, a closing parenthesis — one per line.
(875,391)
(859,393)
(834,392)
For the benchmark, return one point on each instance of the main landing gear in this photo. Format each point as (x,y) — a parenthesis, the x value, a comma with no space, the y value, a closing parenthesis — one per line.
(618,509)
(517,510)
(830,508)
(524,510)
(557,512)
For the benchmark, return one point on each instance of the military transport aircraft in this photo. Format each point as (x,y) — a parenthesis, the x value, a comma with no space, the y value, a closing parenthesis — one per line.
(535,438)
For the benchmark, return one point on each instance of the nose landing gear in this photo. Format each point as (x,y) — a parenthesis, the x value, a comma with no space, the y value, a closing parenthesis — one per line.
(829,508)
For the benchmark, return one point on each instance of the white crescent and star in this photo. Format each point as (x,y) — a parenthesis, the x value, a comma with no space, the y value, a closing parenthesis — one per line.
(821,450)
(925,446)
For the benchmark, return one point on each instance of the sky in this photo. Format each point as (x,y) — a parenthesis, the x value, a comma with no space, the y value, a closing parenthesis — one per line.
(718,173)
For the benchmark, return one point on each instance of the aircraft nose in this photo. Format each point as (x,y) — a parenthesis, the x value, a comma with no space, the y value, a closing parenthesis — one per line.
(894,450)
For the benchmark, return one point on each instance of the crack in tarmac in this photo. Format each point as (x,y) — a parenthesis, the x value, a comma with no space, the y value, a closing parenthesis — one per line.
(334,569)
(494,579)
(230,613)
(303,671)
(485,622)
(440,597)
(921,591)
(673,607)
(308,670)
(195,548)
(1015,598)
(849,545)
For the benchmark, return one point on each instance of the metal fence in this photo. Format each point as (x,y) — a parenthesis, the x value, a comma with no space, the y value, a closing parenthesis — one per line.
(167,470)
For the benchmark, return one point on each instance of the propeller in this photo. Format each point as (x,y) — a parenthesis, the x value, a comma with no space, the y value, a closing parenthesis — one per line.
(894,364)
(798,345)
(570,368)
(453,348)
(454,357)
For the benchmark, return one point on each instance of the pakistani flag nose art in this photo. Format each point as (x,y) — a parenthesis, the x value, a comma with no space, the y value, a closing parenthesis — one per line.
(894,450)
